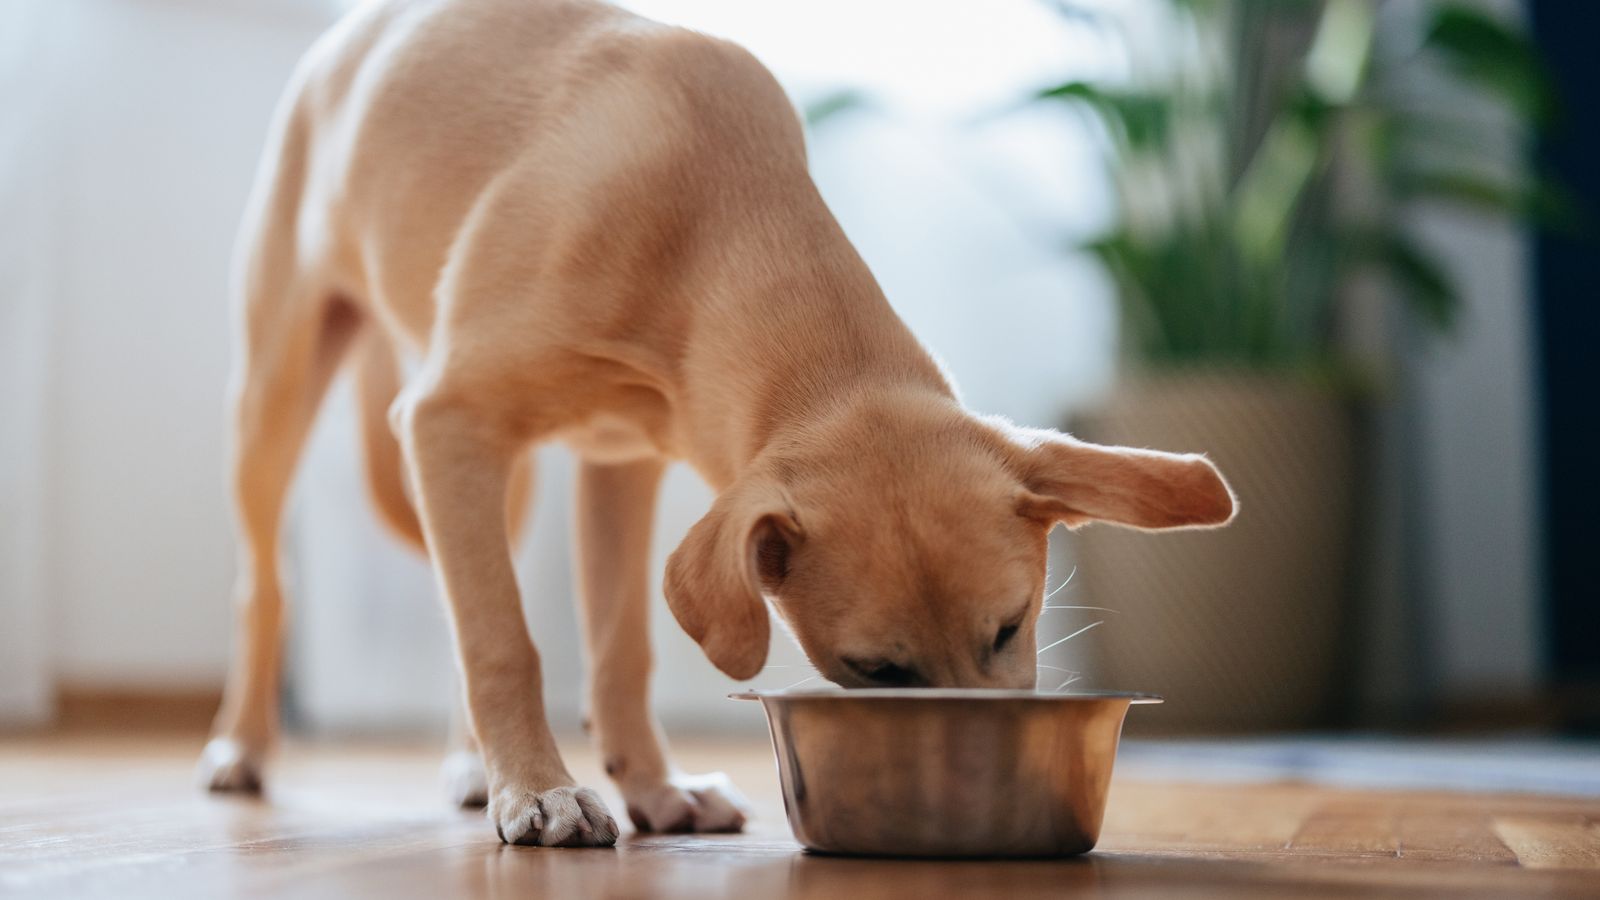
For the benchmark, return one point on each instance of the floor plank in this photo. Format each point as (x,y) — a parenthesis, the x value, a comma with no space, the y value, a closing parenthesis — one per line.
(1552,842)
(1452,836)
(1351,827)
(89,816)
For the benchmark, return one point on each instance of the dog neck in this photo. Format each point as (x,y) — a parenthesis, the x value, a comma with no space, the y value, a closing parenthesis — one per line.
(806,336)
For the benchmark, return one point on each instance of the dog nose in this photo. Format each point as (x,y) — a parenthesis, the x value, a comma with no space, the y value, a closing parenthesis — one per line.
(883,673)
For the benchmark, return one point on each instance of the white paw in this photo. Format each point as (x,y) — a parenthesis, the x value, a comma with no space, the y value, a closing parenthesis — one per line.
(698,803)
(560,817)
(465,781)
(227,767)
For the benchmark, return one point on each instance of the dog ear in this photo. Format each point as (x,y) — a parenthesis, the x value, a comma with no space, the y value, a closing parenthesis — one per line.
(714,580)
(1069,481)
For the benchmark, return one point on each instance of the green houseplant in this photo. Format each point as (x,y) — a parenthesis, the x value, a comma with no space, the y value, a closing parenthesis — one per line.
(1265,154)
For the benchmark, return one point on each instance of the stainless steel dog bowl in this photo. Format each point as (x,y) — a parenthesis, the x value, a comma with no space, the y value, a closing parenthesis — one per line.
(935,772)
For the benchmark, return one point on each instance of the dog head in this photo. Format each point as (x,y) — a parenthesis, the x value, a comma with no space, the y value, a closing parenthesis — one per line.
(904,544)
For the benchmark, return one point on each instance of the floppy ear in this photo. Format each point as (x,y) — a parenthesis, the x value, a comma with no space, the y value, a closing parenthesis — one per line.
(1067,480)
(715,578)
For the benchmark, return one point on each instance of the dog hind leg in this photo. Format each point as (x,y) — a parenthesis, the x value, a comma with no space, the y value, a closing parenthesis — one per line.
(377,380)
(287,368)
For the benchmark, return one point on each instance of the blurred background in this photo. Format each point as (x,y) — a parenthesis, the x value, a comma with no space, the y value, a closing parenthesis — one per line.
(1340,245)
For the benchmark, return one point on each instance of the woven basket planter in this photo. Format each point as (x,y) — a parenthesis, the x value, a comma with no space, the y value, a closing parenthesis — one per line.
(1238,628)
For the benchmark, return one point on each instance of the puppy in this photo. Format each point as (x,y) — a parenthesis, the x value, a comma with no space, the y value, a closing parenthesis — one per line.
(597,229)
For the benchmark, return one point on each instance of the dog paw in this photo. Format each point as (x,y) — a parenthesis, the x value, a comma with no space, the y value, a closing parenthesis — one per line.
(226,766)
(560,817)
(697,803)
(465,781)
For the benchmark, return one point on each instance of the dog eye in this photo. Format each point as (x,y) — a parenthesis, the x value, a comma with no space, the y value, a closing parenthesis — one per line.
(1004,636)
(886,673)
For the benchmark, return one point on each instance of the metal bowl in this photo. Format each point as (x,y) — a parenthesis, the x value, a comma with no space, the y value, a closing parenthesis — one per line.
(937,772)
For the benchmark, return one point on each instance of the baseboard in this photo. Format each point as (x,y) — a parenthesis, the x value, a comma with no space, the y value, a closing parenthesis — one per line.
(85,707)
(1493,713)
(1580,706)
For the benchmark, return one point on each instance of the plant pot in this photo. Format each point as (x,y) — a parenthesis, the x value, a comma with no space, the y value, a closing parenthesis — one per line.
(1239,628)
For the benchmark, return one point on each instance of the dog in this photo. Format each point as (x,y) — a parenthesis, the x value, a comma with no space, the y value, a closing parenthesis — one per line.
(597,229)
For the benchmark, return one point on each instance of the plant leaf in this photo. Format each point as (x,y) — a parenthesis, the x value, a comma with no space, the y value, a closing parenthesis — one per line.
(1142,118)
(832,105)
(1272,186)
(1495,56)
(1408,267)
(1336,64)
(1540,201)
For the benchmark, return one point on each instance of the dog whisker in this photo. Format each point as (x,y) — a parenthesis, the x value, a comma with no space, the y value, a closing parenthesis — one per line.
(1062,686)
(1063,584)
(1058,669)
(802,681)
(1100,608)
(1070,636)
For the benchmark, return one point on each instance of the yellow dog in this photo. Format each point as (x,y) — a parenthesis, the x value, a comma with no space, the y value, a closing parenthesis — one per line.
(597,229)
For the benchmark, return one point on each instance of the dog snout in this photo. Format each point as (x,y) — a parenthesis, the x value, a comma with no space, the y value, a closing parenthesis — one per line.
(884,673)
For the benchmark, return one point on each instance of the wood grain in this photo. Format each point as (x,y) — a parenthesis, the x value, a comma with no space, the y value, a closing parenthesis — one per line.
(83,815)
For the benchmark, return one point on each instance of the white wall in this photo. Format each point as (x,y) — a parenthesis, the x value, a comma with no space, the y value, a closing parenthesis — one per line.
(1477,458)
(1476,453)
(136,129)
(25,337)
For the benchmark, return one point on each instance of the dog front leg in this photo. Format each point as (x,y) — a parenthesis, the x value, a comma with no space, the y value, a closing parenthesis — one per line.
(462,465)
(616,505)
(465,782)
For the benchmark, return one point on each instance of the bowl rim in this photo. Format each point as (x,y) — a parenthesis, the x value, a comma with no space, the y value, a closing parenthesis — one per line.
(943,694)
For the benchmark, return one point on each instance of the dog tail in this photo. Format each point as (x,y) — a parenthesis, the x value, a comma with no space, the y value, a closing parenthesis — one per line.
(377,375)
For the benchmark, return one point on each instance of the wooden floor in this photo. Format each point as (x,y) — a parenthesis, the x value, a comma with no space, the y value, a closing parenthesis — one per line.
(86,816)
